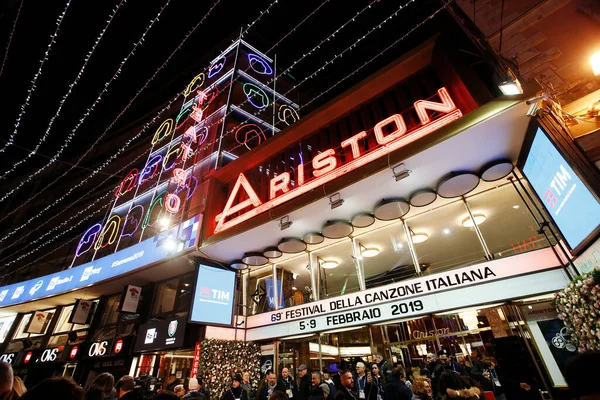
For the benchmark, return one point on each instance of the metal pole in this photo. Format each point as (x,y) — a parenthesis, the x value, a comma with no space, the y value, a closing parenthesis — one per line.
(541,229)
(245,294)
(411,248)
(359,265)
(275,288)
(320,356)
(313,275)
(545,223)
(488,255)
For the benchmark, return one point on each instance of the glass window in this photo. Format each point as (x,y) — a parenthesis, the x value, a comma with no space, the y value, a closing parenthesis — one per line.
(20,332)
(5,325)
(293,278)
(257,301)
(442,242)
(508,228)
(185,292)
(337,274)
(110,315)
(164,302)
(63,324)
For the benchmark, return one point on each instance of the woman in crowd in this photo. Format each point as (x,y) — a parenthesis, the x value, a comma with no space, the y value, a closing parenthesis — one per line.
(451,386)
(179,390)
(101,388)
(235,392)
(19,386)
(422,388)
(55,389)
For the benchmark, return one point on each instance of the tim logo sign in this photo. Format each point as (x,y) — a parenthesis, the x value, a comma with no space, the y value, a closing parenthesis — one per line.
(215,296)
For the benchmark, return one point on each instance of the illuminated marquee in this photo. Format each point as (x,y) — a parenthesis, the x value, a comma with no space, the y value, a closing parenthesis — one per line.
(325,166)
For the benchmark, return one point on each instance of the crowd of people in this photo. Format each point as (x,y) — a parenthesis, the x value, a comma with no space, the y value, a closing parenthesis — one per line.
(440,378)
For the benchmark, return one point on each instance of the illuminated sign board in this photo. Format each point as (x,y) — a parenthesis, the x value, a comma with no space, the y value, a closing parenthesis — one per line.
(390,134)
(572,206)
(149,251)
(165,334)
(213,296)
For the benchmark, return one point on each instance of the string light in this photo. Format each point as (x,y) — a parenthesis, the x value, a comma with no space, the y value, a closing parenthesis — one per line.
(36,76)
(10,37)
(259,17)
(71,134)
(378,55)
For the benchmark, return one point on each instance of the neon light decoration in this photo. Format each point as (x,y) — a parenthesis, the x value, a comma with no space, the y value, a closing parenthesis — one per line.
(150,169)
(195,83)
(88,239)
(158,199)
(179,176)
(245,133)
(216,67)
(113,224)
(164,130)
(172,203)
(325,167)
(183,113)
(173,150)
(259,65)
(287,115)
(128,183)
(132,221)
(213,93)
(261,98)
(190,188)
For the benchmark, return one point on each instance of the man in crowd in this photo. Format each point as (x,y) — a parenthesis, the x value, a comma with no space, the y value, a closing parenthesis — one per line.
(345,392)
(396,389)
(362,382)
(193,392)
(332,388)
(124,387)
(172,381)
(6,378)
(318,390)
(430,362)
(286,384)
(267,390)
(444,364)
(303,382)
(385,368)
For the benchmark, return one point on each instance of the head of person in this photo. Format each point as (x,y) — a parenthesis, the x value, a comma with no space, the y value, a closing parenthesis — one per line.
(172,378)
(103,383)
(166,395)
(474,354)
(302,370)
(179,390)
(378,357)
(193,384)
(399,372)
(443,357)
(55,389)
(360,368)
(271,378)
(278,395)
(237,381)
(326,376)
(124,385)
(285,373)
(19,386)
(346,379)
(422,387)
(6,378)
(451,380)
(246,377)
(316,378)
(461,360)
(431,358)
(375,369)
(581,373)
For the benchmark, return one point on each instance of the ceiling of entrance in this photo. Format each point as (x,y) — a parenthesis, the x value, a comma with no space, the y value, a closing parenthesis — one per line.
(500,136)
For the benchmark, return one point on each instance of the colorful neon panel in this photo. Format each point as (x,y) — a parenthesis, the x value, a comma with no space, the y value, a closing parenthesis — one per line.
(164,130)
(250,135)
(157,200)
(259,65)
(195,83)
(172,203)
(128,183)
(287,115)
(190,185)
(112,225)
(216,67)
(88,239)
(133,221)
(256,96)
(150,169)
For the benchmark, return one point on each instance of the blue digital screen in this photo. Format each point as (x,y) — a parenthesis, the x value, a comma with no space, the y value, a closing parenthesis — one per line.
(123,261)
(574,209)
(213,297)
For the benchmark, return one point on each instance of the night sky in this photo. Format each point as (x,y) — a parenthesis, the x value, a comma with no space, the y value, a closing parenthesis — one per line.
(83,22)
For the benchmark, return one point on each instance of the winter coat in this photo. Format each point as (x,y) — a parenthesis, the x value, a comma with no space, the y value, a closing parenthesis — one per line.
(304,387)
(395,389)
(234,393)
(284,385)
(344,394)
(194,395)
(264,392)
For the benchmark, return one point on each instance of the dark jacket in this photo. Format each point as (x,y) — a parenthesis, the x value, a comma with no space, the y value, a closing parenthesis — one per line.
(96,395)
(377,387)
(385,369)
(437,372)
(234,393)
(316,392)
(304,387)
(345,394)
(264,392)
(132,395)
(395,389)
(284,385)
(362,384)
(171,387)
(194,395)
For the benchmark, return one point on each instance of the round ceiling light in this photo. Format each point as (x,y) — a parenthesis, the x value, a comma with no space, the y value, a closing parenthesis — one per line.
(423,198)
(363,220)
(337,229)
(419,237)
(239,265)
(313,238)
(390,209)
(479,219)
(457,184)
(291,245)
(254,259)
(369,251)
(329,264)
(496,170)
(272,252)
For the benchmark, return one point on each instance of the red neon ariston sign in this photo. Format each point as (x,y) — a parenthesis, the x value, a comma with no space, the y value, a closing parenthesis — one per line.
(325,167)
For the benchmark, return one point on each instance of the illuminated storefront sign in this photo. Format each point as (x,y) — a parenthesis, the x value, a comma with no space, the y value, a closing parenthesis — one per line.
(149,251)
(213,296)
(390,134)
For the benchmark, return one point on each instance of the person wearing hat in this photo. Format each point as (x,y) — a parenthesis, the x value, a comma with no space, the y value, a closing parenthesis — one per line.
(304,382)
(235,392)
(194,388)
(444,364)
